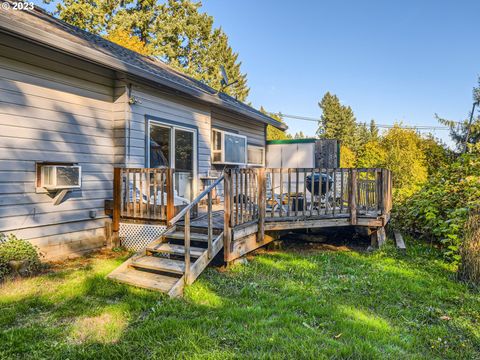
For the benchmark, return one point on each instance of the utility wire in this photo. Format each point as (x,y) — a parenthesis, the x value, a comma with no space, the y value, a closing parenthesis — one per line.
(383,126)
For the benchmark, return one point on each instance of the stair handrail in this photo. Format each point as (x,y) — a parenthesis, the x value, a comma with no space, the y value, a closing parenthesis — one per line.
(194,202)
(185,213)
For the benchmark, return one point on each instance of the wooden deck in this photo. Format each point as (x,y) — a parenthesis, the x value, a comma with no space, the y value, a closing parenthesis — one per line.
(256,204)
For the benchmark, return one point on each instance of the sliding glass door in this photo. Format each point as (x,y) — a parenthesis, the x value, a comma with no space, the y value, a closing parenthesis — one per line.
(174,146)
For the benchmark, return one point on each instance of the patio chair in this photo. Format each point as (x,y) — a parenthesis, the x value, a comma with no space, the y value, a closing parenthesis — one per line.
(274,200)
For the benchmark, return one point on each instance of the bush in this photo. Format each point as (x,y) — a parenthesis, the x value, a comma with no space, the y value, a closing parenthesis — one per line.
(14,249)
(439,211)
(469,269)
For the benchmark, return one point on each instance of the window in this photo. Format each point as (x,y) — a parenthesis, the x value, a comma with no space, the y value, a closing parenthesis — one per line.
(256,155)
(228,148)
(160,146)
(174,146)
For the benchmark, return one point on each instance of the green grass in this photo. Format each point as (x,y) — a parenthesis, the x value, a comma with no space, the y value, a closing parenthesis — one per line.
(286,304)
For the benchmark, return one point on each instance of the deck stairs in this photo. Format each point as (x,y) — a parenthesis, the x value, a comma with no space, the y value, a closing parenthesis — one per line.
(161,265)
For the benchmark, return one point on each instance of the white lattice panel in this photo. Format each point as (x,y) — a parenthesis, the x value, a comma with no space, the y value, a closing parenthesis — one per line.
(138,236)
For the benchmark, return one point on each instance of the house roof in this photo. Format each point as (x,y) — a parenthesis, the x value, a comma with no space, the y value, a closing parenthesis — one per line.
(40,27)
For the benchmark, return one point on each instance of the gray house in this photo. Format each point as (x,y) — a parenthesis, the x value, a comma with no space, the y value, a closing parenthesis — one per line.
(73,106)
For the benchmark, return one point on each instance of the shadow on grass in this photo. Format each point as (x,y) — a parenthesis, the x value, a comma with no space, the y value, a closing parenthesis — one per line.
(281,305)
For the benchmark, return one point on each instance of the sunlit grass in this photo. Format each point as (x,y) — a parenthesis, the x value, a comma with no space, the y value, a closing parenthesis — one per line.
(284,304)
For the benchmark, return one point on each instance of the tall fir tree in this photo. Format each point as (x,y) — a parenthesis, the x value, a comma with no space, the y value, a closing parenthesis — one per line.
(374,131)
(337,121)
(176,32)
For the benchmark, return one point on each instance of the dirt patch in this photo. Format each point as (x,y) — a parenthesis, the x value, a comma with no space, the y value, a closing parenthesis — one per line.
(335,239)
(104,328)
(85,261)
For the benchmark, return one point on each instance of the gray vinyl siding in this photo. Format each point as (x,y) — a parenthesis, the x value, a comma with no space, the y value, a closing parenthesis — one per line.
(53,108)
(253,130)
(151,103)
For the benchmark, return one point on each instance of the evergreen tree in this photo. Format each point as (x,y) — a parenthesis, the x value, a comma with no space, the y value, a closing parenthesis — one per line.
(175,31)
(374,131)
(299,135)
(337,121)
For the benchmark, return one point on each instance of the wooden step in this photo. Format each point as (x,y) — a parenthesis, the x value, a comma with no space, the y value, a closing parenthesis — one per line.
(175,249)
(179,235)
(144,279)
(159,264)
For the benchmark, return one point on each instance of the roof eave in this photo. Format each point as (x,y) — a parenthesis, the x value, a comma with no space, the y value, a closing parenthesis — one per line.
(57,43)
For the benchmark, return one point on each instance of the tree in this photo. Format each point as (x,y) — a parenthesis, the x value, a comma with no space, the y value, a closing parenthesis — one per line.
(132,42)
(347,157)
(175,31)
(274,133)
(93,16)
(337,121)
(369,152)
(374,131)
(299,135)
(406,159)
(437,155)
(373,155)
(460,129)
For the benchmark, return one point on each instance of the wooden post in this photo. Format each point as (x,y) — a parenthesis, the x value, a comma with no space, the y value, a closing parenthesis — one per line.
(210,224)
(390,187)
(341,190)
(381,192)
(262,204)
(170,196)
(227,230)
(352,196)
(187,247)
(381,237)
(117,198)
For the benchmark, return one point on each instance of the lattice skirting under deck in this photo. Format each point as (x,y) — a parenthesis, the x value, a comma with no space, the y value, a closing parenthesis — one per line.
(138,236)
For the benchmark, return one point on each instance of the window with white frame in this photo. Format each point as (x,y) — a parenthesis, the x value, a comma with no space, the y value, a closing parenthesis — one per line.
(256,155)
(228,148)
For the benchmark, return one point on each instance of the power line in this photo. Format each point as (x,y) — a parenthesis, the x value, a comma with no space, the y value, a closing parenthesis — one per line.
(383,126)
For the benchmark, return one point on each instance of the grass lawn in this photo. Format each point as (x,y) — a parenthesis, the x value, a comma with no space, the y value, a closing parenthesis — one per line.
(286,304)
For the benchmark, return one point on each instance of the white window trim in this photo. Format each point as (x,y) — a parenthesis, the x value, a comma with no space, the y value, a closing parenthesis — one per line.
(172,152)
(263,157)
(222,151)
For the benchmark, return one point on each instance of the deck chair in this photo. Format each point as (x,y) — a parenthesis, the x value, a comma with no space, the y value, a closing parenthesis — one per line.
(273,200)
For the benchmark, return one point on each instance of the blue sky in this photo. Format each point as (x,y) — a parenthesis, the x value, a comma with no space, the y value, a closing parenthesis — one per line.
(389,60)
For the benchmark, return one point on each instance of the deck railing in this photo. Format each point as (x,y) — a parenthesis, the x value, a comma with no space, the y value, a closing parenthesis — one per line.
(253,197)
(243,206)
(280,194)
(143,194)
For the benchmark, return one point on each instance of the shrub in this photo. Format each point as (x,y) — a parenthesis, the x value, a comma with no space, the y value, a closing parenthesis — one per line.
(438,212)
(469,269)
(11,249)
